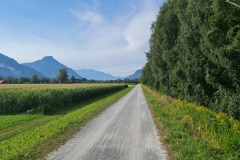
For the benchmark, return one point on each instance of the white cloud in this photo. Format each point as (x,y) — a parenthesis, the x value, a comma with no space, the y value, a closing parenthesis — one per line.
(137,33)
(93,41)
(87,16)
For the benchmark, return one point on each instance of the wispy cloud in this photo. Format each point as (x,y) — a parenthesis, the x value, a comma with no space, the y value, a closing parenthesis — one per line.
(91,38)
(87,16)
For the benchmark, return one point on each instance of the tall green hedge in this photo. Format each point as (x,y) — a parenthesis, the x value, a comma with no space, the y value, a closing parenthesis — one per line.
(195,53)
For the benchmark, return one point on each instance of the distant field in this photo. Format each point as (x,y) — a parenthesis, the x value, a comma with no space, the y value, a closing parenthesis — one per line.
(7,86)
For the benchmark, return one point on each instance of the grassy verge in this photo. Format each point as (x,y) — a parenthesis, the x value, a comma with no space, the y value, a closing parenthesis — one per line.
(194,132)
(11,121)
(24,125)
(43,138)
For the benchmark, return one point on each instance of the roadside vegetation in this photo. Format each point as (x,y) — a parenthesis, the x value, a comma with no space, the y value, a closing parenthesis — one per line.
(195,53)
(193,132)
(32,136)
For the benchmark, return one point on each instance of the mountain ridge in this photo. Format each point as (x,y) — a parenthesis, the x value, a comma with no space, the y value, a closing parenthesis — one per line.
(9,67)
(96,75)
(137,74)
(50,66)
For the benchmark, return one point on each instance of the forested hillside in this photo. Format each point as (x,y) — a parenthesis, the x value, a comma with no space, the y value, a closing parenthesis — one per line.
(195,53)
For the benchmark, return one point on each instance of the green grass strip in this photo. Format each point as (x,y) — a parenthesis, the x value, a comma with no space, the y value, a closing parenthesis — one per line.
(26,144)
(13,120)
(24,125)
(193,132)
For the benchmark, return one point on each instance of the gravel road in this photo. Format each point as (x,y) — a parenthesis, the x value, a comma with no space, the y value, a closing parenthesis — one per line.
(124,131)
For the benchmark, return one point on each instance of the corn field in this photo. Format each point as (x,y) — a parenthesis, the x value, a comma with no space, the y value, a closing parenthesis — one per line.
(47,100)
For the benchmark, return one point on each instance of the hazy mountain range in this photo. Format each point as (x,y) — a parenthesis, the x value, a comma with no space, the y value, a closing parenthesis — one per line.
(96,75)
(48,67)
(10,67)
(137,74)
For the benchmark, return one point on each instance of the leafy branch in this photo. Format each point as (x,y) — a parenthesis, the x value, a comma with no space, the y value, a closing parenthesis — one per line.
(233,3)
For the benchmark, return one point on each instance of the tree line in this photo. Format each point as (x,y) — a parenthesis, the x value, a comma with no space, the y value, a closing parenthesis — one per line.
(195,53)
(62,77)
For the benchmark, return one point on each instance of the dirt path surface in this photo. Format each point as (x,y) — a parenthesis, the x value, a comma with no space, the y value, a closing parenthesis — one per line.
(125,131)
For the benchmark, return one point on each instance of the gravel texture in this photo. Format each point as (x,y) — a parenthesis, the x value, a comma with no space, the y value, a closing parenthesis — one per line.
(124,131)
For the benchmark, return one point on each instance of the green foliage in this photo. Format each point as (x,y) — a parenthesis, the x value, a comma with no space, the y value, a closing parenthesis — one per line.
(73,79)
(62,76)
(34,79)
(195,53)
(194,132)
(146,77)
(13,101)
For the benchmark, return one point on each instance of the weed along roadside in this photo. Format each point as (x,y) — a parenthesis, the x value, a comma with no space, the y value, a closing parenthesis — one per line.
(194,132)
(35,141)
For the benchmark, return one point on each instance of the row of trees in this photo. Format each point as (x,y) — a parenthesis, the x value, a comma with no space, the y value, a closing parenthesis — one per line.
(195,53)
(62,77)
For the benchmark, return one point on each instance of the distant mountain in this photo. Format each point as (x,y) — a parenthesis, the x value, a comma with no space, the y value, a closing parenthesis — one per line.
(10,67)
(49,67)
(137,75)
(95,75)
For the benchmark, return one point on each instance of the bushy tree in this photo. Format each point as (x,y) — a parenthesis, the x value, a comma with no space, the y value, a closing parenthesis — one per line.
(34,79)
(62,76)
(73,79)
(195,53)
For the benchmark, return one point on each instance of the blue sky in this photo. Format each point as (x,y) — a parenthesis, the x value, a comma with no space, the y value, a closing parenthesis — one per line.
(106,35)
